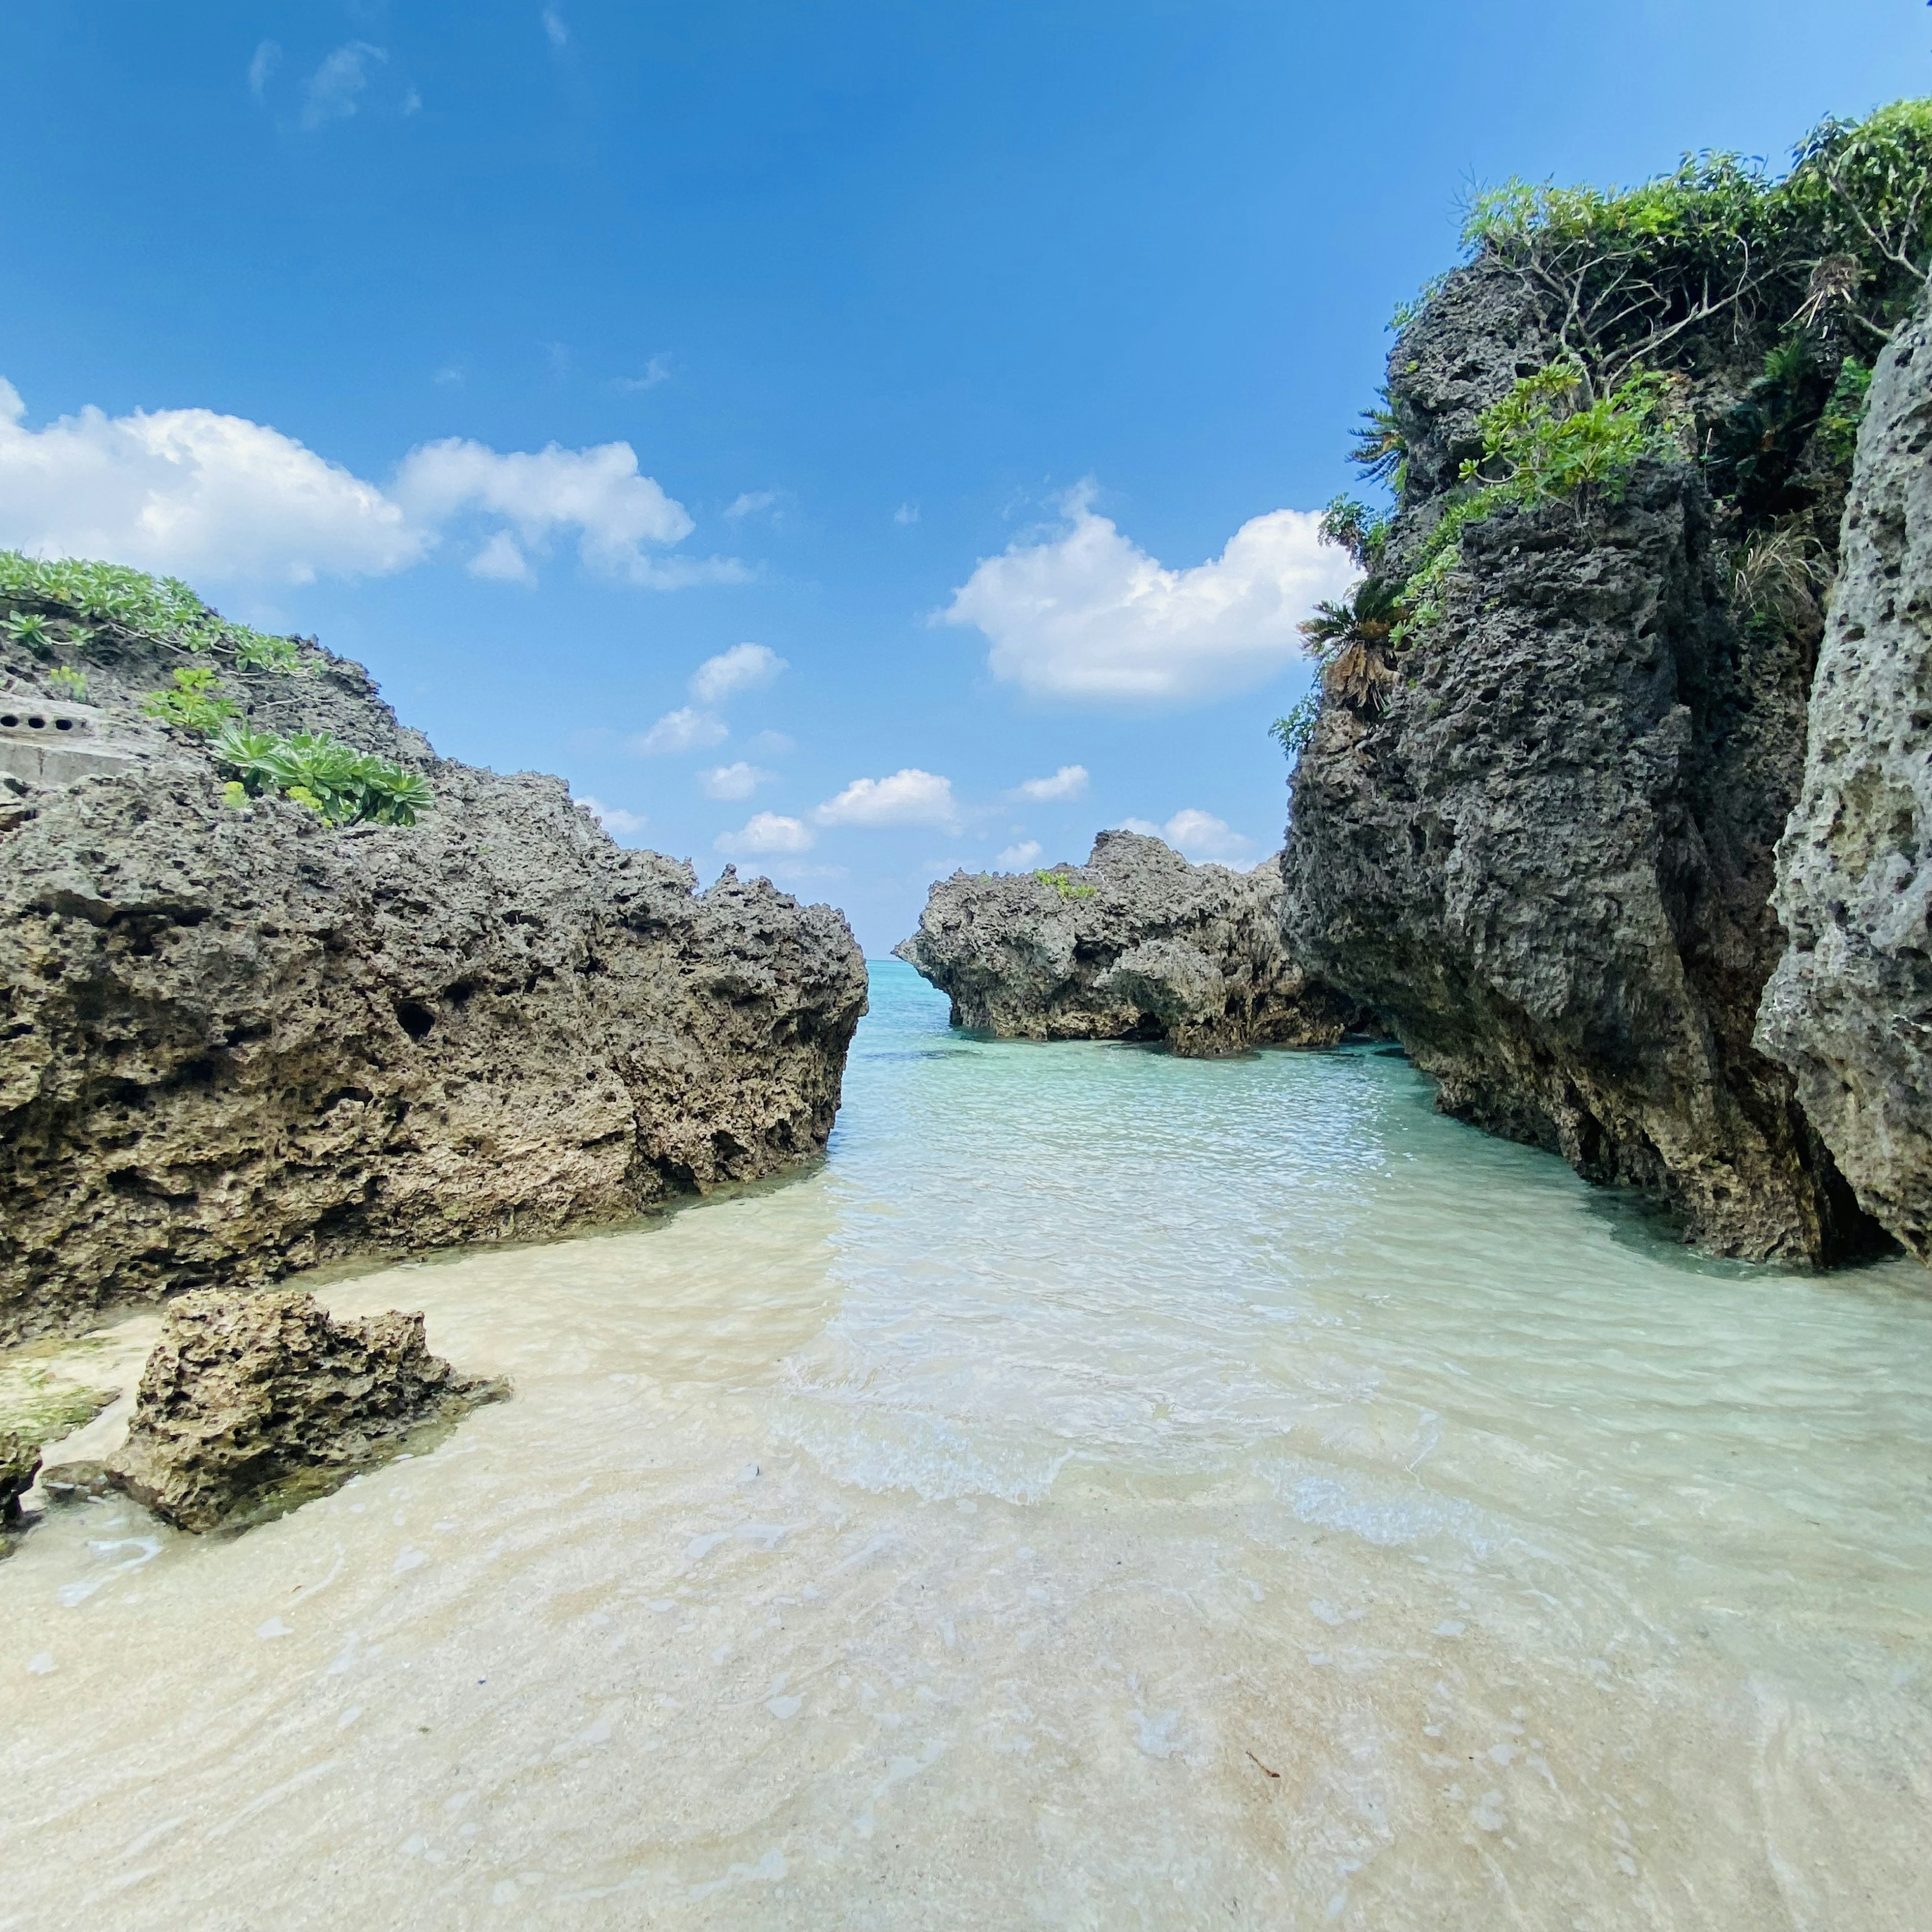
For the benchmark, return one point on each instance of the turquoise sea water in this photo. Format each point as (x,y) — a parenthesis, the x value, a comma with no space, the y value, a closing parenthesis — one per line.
(1113,1491)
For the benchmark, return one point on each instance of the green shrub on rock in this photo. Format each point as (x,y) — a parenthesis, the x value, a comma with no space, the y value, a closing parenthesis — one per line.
(162,608)
(194,702)
(345,786)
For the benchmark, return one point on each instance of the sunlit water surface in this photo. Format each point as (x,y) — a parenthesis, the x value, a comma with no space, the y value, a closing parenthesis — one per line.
(1115,1491)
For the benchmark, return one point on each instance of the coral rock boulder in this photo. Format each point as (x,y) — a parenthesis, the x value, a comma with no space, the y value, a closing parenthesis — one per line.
(250,1404)
(1136,944)
(236,1040)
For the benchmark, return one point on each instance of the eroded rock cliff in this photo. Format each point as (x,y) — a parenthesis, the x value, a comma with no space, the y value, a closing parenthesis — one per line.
(1533,828)
(235,1040)
(1545,859)
(1849,1008)
(1136,944)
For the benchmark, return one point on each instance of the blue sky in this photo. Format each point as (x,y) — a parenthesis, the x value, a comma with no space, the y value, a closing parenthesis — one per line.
(834,321)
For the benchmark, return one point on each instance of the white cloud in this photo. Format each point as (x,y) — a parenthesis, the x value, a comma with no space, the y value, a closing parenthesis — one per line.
(749,503)
(683,731)
(1069,781)
(774,742)
(598,491)
(267,58)
(614,819)
(554,26)
(743,668)
(738,781)
(1197,835)
(1088,614)
(334,89)
(766,832)
(1018,858)
(193,493)
(501,559)
(198,494)
(908,797)
(906,513)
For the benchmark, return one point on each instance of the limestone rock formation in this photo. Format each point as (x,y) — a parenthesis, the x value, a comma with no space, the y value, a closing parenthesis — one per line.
(252,1403)
(235,1041)
(1849,1008)
(1541,844)
(1137,943)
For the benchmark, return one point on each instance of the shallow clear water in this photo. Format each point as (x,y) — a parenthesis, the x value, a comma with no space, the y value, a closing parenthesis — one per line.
(1115,1491)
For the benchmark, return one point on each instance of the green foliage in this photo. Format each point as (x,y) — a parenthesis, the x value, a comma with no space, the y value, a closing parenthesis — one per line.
(195,702)
(161,607)
(1860,190)
(1381,451)
(1366,616)
(31,630)
(1547,440)
(1067,888)
(68,682)
(1719,249)
(1351,525)
(345,786)
(1751,453)
(1844,411)
(1291,732)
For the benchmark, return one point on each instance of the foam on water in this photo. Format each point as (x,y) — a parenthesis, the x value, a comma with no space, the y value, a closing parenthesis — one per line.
(1113,1491)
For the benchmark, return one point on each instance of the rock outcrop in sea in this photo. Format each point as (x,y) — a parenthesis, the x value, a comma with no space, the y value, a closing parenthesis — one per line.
(250,1404)
(1138,943)
(237,1040)
(1849,1008)
(1564,719)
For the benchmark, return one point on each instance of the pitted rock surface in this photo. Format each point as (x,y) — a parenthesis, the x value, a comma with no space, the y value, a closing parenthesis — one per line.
(250,1404)
(1849,1008)
(236,1042)
(1137,943)
(1545,854)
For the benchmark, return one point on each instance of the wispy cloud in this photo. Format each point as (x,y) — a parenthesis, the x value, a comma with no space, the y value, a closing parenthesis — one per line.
(749,503)
(554,26)
(1069,781)
(906,513)
(334,91)
(1198,835)
(765,832)
(908,797)
(685,730)
(1018,858)
(656,371)
(743,668)
(738,781)
(268,57)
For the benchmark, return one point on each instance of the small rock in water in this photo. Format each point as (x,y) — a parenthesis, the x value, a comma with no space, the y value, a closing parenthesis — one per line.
(74,1482)
(250,1405)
